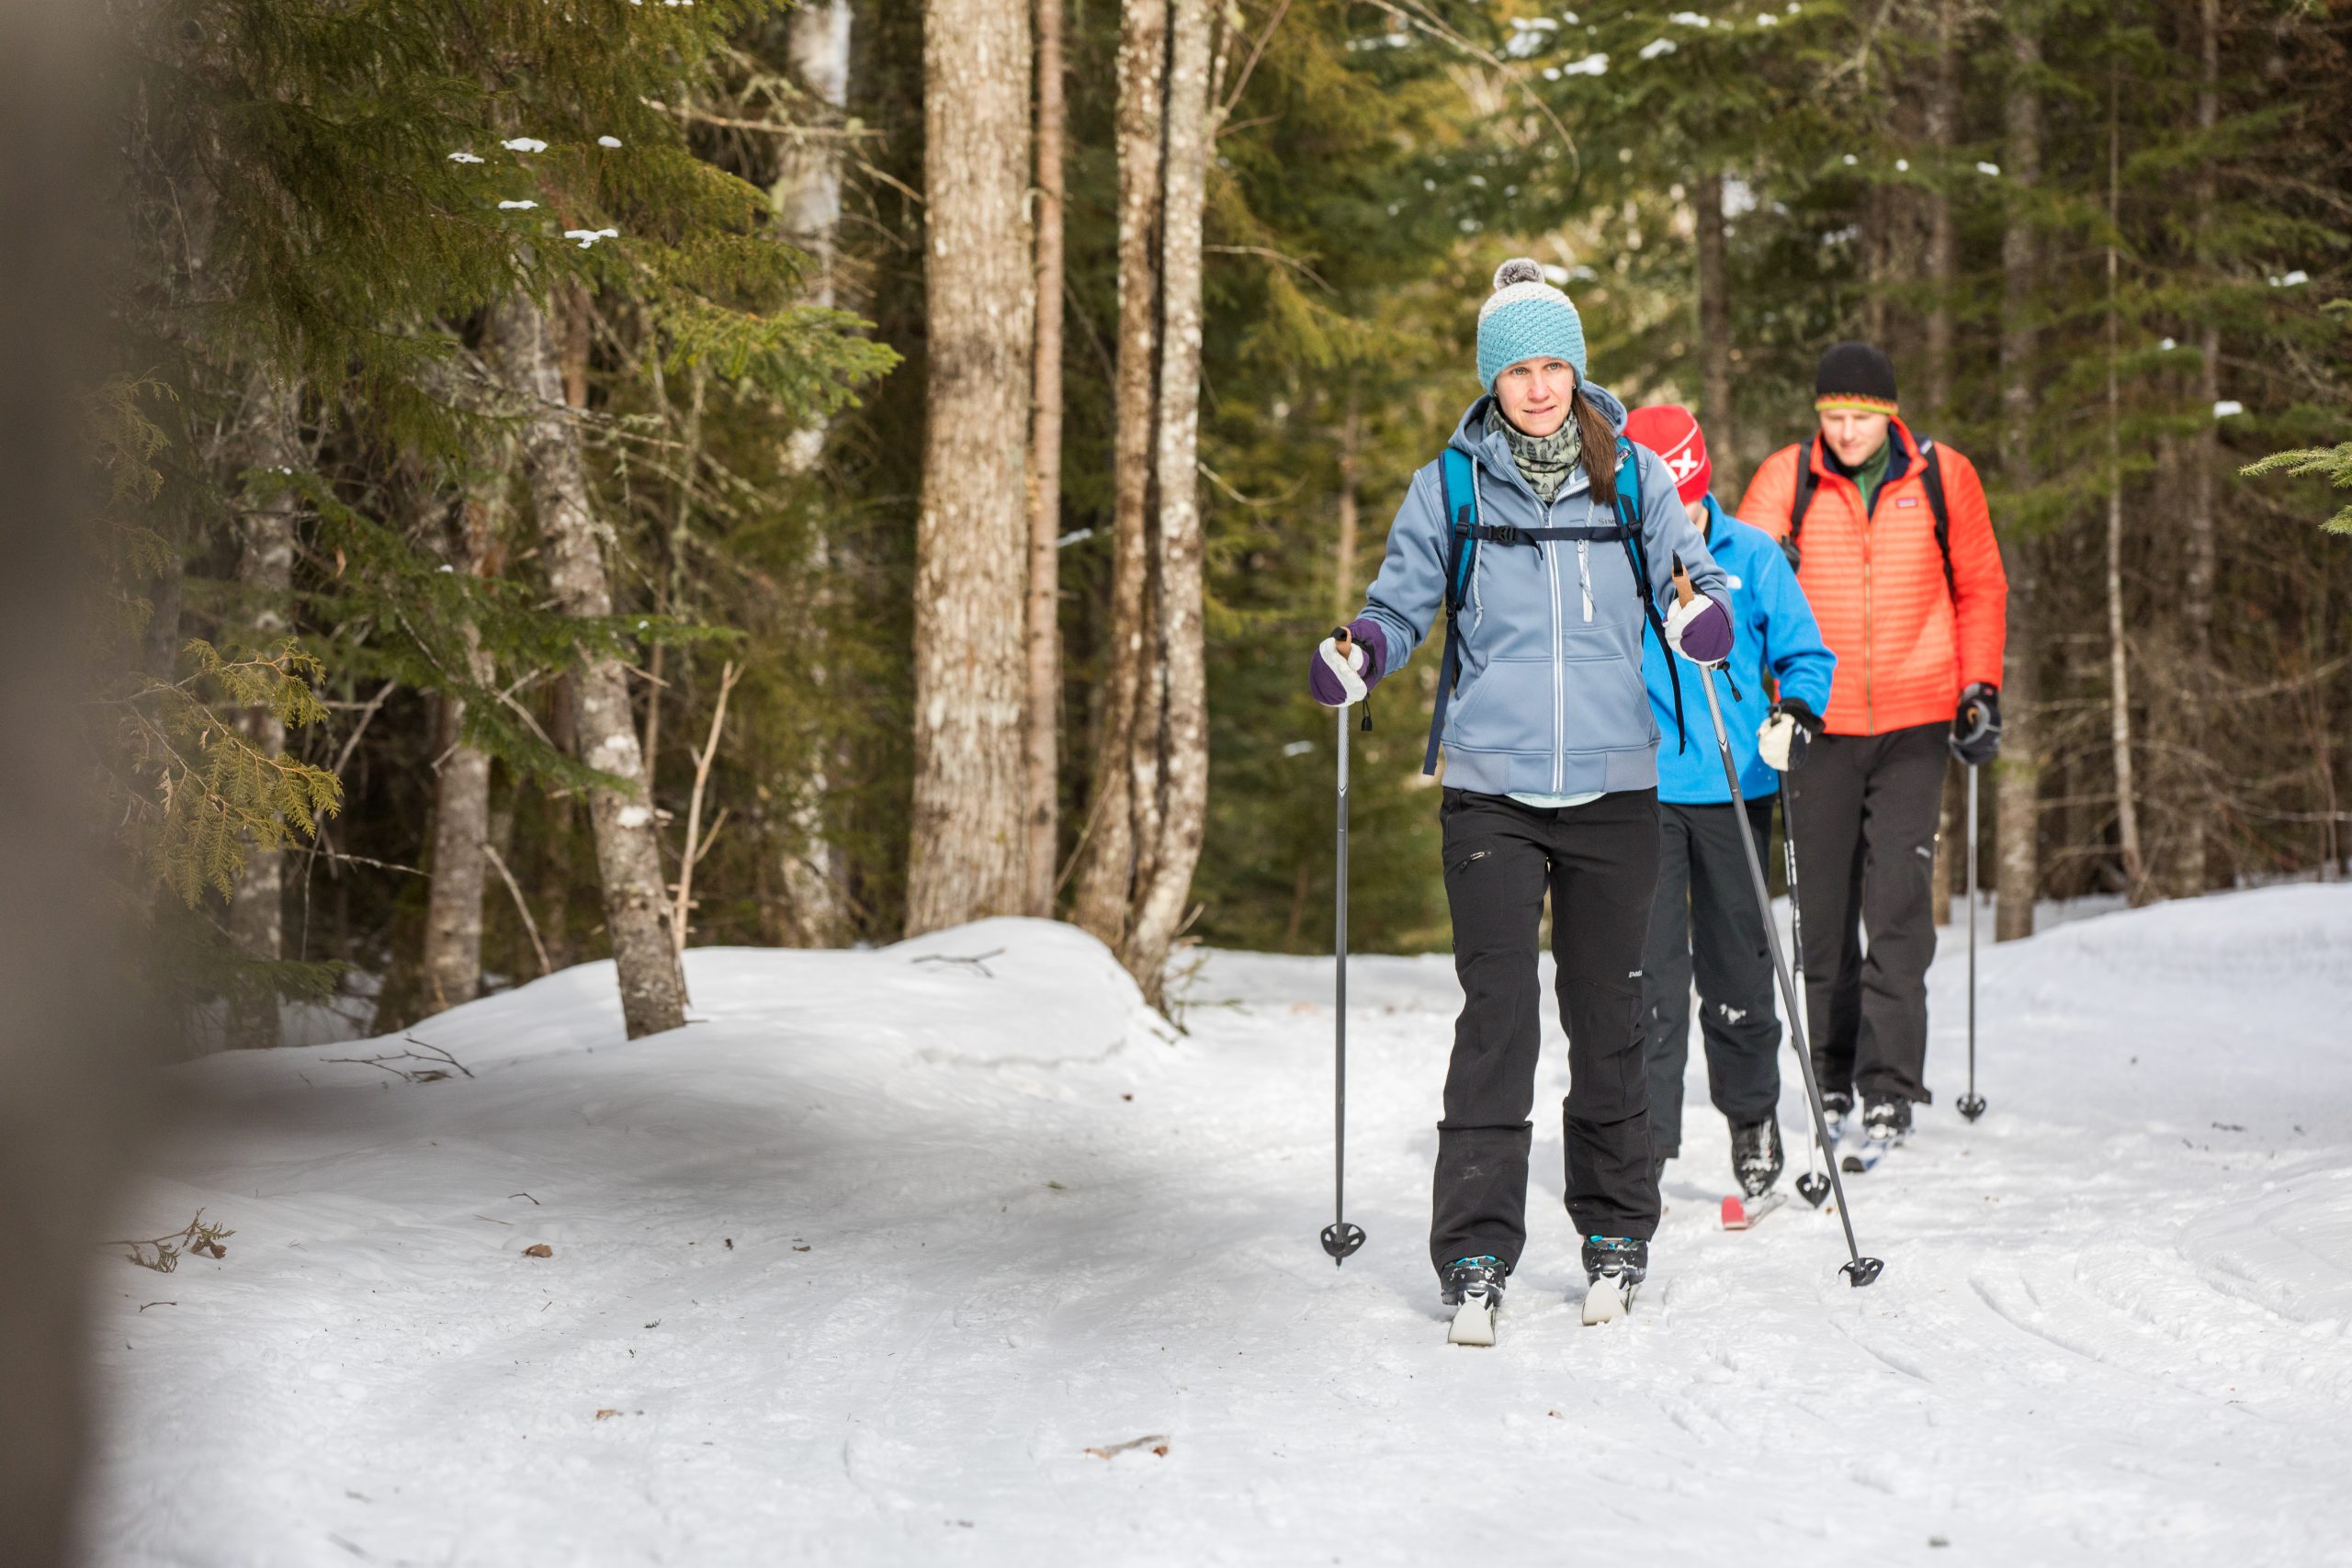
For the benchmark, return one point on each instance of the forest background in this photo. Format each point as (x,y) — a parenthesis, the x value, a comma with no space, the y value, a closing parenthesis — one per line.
(587,478)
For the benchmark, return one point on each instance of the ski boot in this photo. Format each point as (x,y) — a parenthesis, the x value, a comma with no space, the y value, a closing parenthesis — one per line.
(1886,1123)
(1755,1159)
(1474,1289)
(1835,1106)
(1613,1267)
(1756,1156)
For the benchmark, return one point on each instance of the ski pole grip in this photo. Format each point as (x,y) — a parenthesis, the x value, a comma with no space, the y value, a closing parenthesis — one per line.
(1683,592)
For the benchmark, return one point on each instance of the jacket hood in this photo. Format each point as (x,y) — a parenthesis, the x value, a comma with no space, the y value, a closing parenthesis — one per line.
(1470,435)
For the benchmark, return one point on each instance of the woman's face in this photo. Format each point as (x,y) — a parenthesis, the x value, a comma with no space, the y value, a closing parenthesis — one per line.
(1534,394)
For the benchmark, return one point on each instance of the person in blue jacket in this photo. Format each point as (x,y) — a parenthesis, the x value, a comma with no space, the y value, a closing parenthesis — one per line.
(1705,920)
(1550,770)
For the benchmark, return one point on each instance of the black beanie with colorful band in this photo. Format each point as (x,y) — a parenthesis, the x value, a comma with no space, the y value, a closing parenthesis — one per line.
(1855,375)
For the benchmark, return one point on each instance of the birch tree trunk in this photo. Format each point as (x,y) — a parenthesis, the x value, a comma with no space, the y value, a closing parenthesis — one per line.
(1184,734)
(1045,661)
(2018,775)
(628,859)
(1106,874)
(807,192)
(2127,806)
(965,859)
(2204,453)
(461,790)
(265,581)
(1715,318)
(808,200)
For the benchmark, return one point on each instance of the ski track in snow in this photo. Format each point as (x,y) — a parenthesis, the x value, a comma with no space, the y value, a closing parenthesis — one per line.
(2115,1324)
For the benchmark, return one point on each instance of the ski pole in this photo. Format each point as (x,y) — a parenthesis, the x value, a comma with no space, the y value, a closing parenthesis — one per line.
(1858,1270)
(1972,1104)
(1341,1238)
(1811,1186)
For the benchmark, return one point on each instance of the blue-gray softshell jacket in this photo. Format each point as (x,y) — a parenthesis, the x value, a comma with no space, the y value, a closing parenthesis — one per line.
(1549,699)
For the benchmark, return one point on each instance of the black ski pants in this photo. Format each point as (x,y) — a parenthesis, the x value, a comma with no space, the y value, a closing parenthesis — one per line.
(1599,863)
(1864,809)
(1705,922)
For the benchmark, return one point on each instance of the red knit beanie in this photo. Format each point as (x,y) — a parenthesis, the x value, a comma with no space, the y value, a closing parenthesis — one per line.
(1670,430)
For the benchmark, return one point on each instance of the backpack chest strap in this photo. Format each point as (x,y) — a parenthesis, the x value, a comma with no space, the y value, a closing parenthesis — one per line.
(1505,533)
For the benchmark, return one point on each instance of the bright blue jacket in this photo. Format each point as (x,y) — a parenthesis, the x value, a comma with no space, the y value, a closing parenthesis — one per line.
(1772,628)
(1550,700)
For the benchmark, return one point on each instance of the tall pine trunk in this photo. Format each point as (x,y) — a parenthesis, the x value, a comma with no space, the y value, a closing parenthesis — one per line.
(2018,775)
(461,789)
(1106,873)
(966,857)
(266,586)
(1044,663)
(1942,112)
(629,858)
(1714,321)
(2197,598)
(1183,751)
(2126,803)
(1943,247)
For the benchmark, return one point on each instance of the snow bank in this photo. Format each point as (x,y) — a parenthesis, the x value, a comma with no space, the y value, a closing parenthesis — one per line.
(927,1254)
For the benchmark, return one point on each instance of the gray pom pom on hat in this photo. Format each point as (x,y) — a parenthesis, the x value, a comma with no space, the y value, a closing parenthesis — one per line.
(1526,318)
(1519,269)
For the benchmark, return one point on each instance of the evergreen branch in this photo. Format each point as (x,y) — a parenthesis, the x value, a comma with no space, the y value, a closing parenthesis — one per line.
(767,127)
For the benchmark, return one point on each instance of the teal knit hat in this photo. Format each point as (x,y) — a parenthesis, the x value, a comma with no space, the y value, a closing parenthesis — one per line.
(1524,319)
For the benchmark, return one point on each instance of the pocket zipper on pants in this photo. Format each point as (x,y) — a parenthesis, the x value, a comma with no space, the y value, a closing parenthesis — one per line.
(1465,864)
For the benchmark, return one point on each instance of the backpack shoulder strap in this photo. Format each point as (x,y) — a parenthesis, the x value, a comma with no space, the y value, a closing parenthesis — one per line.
(1801,501)
(1461,488)
(1459,482)
(1932,474)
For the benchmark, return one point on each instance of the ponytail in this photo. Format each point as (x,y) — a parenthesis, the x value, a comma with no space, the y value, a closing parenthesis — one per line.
(1600,442)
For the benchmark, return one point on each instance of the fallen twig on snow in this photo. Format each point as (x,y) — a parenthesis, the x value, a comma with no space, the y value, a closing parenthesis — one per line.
(199,1237)
(977,961)
(1156,1443)
(411,1075)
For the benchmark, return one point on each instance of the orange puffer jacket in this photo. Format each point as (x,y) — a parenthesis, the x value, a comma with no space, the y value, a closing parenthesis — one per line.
(1906,644)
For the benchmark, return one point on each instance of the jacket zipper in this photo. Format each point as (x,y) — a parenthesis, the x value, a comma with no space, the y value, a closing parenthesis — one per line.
(1584,576)
(1869,613)
(1559,676)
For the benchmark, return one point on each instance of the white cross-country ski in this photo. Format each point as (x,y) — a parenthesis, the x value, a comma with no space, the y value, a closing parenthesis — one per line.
(1472,1287)
(1608,1298)
(1614,1266)
(1473,1320)
(1741,1214)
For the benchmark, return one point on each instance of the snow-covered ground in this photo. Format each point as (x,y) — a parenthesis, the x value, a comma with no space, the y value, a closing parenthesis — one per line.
(860,1267)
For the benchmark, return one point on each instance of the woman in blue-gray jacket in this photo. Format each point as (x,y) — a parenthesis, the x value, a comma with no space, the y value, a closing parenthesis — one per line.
(1705,921)
(1542,520)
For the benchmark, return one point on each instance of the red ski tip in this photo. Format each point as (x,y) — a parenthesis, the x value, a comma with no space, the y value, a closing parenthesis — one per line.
(1734,1215)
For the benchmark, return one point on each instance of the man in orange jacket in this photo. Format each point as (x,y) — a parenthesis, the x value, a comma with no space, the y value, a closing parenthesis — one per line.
(1893,546)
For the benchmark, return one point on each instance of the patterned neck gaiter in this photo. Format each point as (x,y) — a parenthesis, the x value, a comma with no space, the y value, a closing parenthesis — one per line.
(1544,461)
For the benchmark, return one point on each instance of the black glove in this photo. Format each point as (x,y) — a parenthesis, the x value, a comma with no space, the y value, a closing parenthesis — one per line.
(1795,735)
(1976,727)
